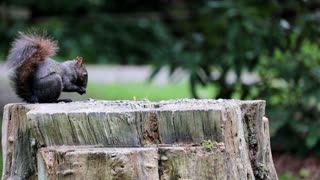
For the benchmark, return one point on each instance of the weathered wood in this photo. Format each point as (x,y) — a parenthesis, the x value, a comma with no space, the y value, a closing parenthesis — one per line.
(239,125)
(193,163)
(110,124)
(70,162)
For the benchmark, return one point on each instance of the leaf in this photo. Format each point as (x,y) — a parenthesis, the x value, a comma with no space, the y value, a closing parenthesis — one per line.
(313,136)
(311,141)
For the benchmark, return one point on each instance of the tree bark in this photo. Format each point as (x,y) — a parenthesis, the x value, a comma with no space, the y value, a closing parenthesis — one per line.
(70,162)
(137,140)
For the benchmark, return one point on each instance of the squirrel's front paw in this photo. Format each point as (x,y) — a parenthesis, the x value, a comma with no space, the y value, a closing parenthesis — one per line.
(81,90)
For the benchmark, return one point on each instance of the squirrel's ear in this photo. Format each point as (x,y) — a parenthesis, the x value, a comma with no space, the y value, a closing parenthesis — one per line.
(79,60)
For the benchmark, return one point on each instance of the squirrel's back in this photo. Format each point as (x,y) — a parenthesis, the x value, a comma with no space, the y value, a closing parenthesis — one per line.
(27,52)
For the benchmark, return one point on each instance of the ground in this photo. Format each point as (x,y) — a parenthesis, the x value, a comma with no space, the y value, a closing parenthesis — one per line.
(291,167)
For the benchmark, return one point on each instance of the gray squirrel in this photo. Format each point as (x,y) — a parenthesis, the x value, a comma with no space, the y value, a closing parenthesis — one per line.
(36,78)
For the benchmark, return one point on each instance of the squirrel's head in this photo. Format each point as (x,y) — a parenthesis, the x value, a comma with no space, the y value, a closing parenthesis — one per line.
(81,75)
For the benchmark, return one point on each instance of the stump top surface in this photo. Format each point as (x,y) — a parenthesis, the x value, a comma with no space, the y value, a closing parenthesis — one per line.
(130,105)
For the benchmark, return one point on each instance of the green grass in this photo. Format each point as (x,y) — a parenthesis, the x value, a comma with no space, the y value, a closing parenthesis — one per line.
(140,91)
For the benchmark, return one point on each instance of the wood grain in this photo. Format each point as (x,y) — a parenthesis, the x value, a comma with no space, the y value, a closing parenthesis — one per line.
(159,140)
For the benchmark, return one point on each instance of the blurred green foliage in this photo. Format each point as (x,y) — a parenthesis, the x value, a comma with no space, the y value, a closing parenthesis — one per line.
(101,31)
(276,40)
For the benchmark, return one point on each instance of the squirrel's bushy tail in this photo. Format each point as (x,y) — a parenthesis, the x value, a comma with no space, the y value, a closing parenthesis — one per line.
(27,51)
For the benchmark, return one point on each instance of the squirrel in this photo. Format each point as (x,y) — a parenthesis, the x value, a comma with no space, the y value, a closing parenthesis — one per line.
(36,78)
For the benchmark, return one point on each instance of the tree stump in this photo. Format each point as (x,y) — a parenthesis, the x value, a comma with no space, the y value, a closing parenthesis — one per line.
(173,139)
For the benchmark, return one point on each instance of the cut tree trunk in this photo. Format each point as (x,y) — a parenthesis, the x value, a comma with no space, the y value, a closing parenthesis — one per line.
(174,139)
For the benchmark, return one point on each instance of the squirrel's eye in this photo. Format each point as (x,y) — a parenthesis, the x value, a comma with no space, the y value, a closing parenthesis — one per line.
(85,74)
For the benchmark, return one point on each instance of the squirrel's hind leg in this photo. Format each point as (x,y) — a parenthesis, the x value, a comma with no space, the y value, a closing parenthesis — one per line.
(48,89)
